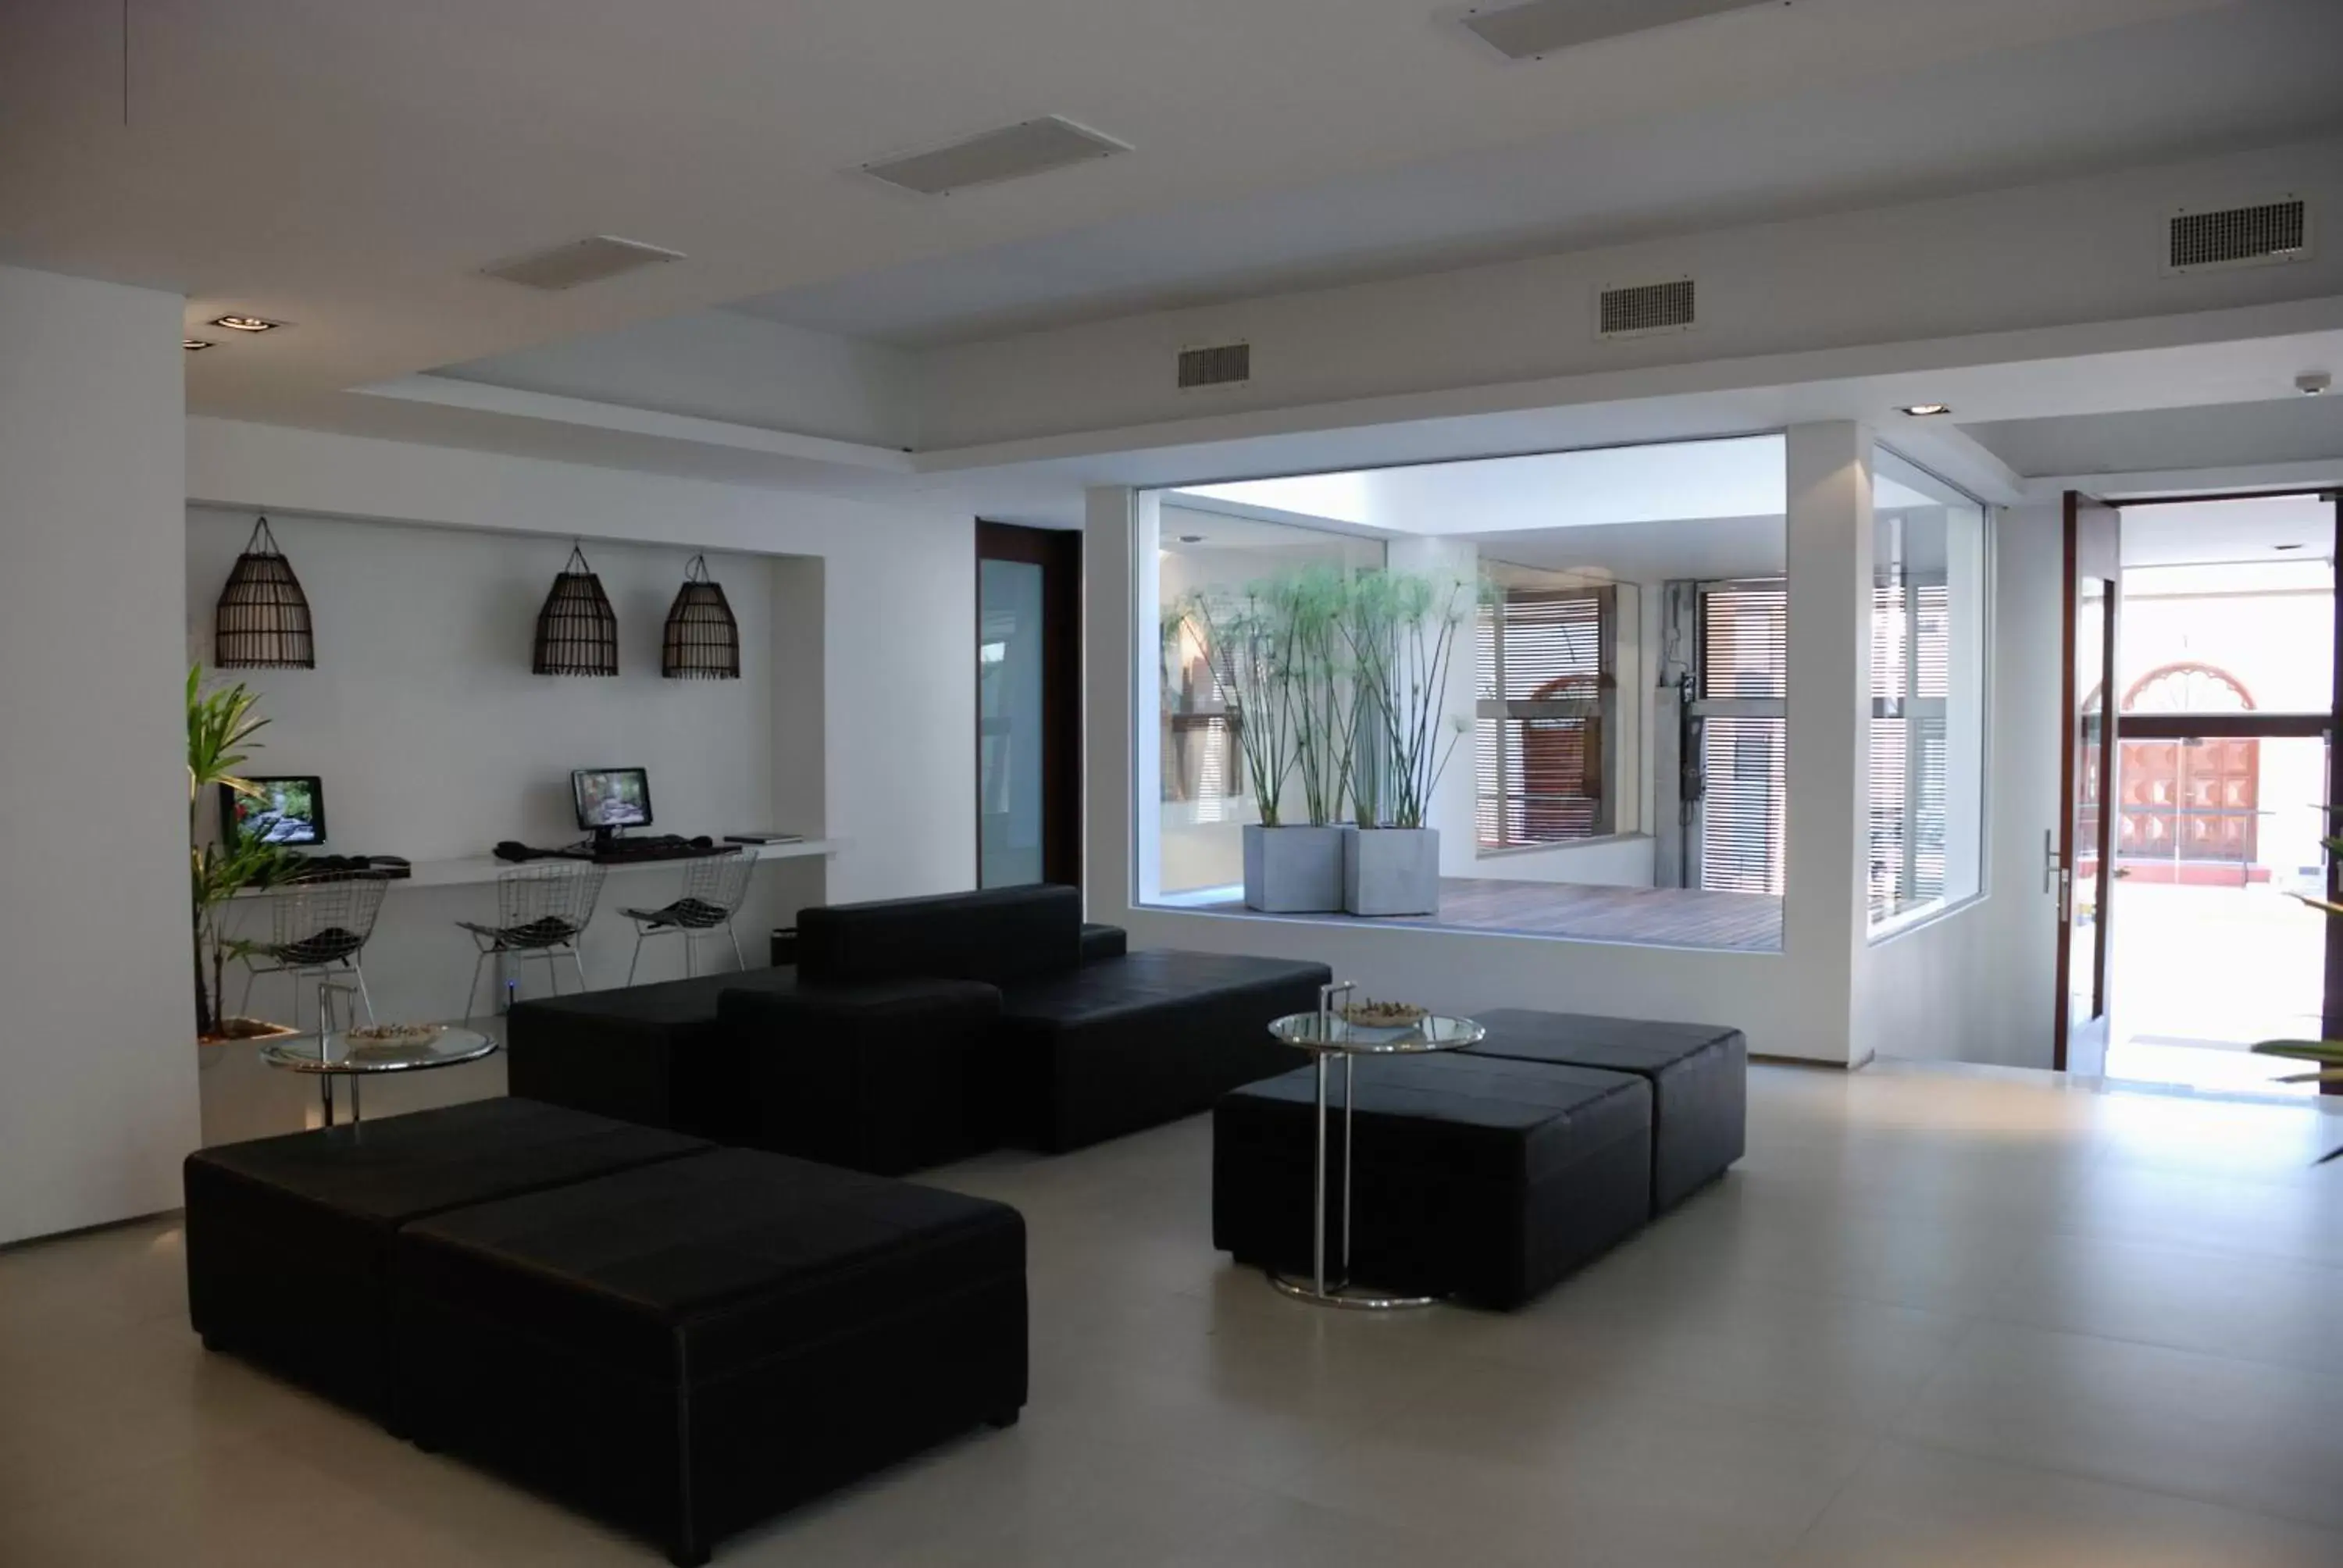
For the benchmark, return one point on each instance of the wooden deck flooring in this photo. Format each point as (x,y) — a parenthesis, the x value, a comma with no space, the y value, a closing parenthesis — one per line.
(1653,917)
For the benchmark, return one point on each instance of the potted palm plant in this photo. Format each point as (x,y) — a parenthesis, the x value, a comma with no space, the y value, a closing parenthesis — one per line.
(220,727)
(2325,1057)
(1402,631)
(1253,642)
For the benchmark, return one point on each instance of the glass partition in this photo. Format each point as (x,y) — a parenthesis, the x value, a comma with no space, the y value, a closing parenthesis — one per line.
(1928,597)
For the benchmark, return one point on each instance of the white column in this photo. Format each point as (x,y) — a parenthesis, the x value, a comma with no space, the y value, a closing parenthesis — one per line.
(1829,727)
(1120,743)
(98,1019)
(1456,562)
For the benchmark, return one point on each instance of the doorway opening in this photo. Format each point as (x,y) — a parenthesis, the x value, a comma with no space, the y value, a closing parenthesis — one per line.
(2224,680)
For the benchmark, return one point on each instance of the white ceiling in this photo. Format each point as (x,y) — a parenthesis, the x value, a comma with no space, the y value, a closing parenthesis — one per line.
(346,169)
(2193,83)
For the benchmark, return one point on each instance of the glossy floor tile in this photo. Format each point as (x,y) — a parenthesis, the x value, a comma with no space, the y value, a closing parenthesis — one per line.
(1936,1317)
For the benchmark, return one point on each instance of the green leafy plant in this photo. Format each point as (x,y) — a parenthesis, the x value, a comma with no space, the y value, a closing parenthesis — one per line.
(220,727)
(1248,637)
(2325,1056)
(1323,692)
(1402,629)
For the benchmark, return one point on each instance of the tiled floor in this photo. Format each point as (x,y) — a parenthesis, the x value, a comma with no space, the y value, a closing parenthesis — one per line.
(1937,1319)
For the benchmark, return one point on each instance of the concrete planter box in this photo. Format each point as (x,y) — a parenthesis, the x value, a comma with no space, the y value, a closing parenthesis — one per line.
(1391,871)
(1294,870)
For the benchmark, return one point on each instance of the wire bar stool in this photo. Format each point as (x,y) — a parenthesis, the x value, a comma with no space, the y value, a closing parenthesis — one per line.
(317,927)
(714,888)
(543,907)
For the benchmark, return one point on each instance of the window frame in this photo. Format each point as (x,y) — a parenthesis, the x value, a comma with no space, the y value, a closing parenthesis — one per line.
(1603,708)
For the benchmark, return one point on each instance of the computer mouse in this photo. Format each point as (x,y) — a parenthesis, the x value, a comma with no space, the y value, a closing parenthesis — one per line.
(510,849)
(702,842)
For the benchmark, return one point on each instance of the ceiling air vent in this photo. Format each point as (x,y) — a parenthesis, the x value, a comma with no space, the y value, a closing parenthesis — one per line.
(1028,147)
(1543,27)
(1218,365)
(1641,309)
(581,261)
(2259,236)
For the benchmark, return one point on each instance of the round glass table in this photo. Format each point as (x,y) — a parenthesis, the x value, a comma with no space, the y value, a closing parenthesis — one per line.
(1325,1035)
(336,1055)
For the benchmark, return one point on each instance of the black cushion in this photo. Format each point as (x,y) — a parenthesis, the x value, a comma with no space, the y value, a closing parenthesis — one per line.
(288,1238)
(647,1053)
(1103,941)
(883,1078)
(1125,1043)
(687,1349)
(1479,1177)
(1698,1072)
(998,936)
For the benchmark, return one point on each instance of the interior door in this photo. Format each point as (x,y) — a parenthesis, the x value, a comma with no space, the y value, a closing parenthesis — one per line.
(2085,862)
(1028,703)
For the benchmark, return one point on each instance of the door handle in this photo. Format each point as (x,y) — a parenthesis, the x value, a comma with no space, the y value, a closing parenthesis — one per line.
(2049,860)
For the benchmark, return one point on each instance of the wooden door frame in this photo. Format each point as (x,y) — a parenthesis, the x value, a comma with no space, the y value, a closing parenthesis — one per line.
(1058,553)
(2091,550)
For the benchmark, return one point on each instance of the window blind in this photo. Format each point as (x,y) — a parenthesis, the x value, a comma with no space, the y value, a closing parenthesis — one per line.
(1744,650)
(1538,738)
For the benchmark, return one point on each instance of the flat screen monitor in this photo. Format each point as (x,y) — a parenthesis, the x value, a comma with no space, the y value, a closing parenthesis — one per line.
(282,810)
(612,798)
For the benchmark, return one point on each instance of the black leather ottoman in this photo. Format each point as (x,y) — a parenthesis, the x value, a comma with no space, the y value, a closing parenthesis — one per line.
(1103,941)
(648,1053)
(1478,1178)
(1699,1075)
(886,1078)
(691,1347)
(1131,1042)
(289,1239)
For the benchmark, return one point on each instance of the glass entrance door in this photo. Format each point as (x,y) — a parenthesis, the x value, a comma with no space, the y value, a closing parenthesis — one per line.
(1028,677)
(2085,860)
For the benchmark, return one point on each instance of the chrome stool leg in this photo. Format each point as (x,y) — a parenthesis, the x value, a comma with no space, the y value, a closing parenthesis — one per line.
(637,958)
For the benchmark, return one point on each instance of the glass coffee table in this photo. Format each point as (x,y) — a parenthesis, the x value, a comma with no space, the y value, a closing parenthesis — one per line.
(1325,1035)
(335,1055)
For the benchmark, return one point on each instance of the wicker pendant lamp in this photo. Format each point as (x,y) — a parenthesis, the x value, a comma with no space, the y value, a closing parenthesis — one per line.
(702,640)
(262,621)
(576,631)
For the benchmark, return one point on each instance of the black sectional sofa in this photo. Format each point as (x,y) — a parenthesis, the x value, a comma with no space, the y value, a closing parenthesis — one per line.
(916,1032)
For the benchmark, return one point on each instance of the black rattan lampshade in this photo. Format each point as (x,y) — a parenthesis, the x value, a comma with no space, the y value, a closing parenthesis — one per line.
(576,631)
(262,621)
(703,640)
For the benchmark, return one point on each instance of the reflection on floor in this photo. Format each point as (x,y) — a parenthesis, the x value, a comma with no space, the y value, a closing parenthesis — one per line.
(1653,917)
(1935,1318)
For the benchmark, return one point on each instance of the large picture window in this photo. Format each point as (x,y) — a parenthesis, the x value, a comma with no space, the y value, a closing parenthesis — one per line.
(1928,680)
(1545,715)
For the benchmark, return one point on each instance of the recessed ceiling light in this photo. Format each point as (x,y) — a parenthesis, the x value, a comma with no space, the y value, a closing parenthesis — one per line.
(192,344)
(2286,546)
(1192,539)
(244,323)
(1926,410)
(2313,384)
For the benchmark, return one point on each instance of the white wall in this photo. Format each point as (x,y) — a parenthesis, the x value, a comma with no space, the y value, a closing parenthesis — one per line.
(434,740)
(898,589)
(97,1069)
(1620,860)
(1978,984)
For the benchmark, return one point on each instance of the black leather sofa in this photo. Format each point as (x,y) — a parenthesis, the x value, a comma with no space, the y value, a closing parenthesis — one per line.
(915,1032)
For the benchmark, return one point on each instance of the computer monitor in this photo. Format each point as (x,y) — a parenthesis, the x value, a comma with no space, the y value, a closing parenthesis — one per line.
(289,810)
(609,798)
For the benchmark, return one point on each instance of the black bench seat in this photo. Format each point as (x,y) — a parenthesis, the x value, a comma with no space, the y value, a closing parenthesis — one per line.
(1474,1177)
(689,1348)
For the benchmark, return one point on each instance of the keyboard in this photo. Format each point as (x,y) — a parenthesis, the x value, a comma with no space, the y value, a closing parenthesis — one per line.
(662,847)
